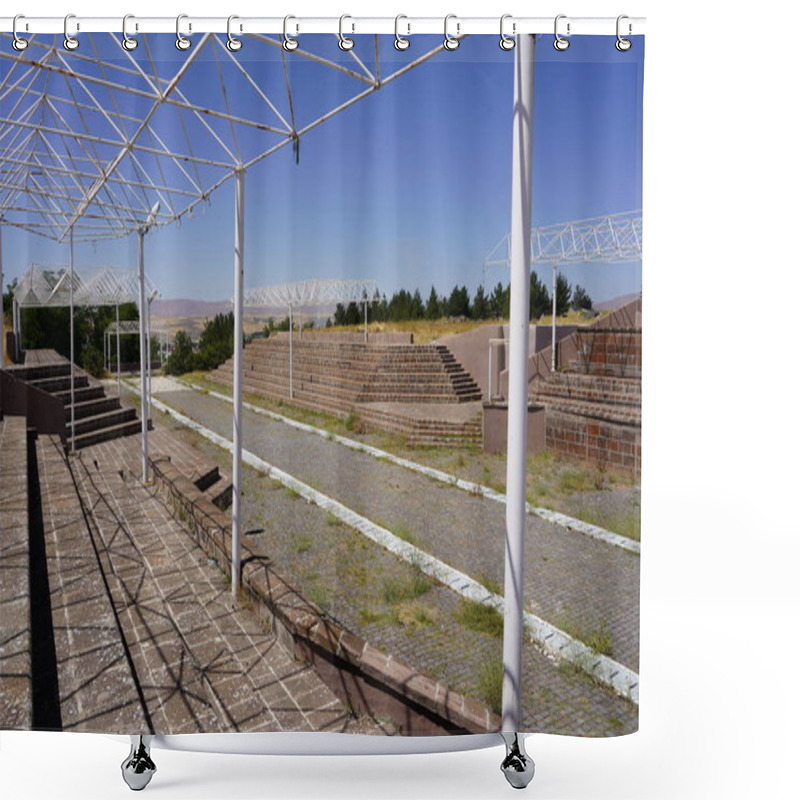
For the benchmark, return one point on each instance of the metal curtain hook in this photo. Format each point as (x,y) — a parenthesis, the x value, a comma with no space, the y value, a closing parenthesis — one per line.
(289,44)
(344,42)
(507,42)
(450,42)
(560,42)
(128,43)
(233,44)
(623,44)
(400,42)
(70,42)
(181,42)
(19,44)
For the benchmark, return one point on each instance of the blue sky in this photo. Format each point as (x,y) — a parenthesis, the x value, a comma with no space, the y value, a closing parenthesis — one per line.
(412,185)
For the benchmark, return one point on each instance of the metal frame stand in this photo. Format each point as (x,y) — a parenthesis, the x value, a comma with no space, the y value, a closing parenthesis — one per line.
(517,766)
(138,768)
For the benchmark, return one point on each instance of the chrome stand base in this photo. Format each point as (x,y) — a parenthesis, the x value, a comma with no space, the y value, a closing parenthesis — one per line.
(517,766)
(138,768)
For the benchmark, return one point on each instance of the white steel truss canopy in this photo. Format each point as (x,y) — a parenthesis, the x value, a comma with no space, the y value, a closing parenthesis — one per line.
(303,294)
(45,285)
(92,140)
(130,326)
(617,237)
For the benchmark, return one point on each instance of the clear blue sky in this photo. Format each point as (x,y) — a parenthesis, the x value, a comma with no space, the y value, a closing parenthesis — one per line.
(411,186)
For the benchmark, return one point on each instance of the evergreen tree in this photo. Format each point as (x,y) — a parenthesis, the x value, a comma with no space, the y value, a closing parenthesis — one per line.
(541,304)
(432,307)
(563,295)
(581,299)
(480,305)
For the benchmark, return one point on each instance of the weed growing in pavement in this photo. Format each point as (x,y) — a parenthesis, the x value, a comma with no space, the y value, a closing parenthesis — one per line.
(490,584)
(400,590)
(480,618)
(490,683)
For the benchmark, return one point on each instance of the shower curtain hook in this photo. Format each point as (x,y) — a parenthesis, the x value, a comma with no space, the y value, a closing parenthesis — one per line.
(450,42)
(344,42)
(289,44)
(70,42)
(623,44)
(400,42)
(181,42)
(128,43)
(560,42)
(233,44)
(507,42)
(19,44)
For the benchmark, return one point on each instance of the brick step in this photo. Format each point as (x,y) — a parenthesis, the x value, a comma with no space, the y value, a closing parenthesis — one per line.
(605,369)
(91,408)
(60,384)
(624,415)
(40,371)
(105,434)
(107,419)
(81,395)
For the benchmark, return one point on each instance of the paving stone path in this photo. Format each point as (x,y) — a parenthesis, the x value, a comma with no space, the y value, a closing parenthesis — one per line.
(146,635)
(349,577)
(586,587)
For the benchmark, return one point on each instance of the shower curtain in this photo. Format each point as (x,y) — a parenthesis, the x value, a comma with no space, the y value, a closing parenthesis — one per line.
(334,223)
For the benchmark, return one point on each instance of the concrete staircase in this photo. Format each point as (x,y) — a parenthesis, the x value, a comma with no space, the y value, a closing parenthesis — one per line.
(594,404)
(98,418)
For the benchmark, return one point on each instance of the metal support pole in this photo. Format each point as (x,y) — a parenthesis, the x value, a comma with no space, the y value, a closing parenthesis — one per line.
(521,204)
(238,335)
(149,364)
(291,358)
(365,320)
(142,354)
(553,345)
(119,382)
(14,327)
(2,309)
(71,344)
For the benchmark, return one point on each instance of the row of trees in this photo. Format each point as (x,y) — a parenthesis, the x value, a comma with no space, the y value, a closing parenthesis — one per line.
(404,305)
(214,347)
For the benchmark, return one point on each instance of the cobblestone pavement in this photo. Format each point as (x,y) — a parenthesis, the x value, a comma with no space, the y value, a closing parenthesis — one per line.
(375,594)
(586,587)
(147,637)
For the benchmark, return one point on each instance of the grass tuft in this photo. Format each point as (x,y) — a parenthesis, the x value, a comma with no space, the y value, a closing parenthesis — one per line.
(480,618)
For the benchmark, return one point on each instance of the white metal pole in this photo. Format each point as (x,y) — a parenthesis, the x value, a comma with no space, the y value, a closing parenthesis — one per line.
(291,358)
(149,364)
(553,344)
(71,342)
(489,389)
(238,335)
(365,320)
(119,382)
(142,354)
(2,309)
(14,326)
(521,203)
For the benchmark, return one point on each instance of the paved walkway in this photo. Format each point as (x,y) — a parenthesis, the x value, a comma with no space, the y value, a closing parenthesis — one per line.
(352,579)
(587,587)
(146,635)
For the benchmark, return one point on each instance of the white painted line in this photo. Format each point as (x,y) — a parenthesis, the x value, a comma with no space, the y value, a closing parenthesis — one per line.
(552,640)
(555,517)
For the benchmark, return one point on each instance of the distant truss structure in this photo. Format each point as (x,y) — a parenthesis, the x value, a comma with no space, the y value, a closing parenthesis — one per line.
(304,294)
(616,237)
(47,285)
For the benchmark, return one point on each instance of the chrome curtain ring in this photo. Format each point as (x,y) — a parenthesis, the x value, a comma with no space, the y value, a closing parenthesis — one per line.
(181,42)
(450,42)
(289,44)
(622,44)
(70,42)
(400,42)
(19,44)
(560,42)
(344,42)
(233,44)
(128,43)
(506,42)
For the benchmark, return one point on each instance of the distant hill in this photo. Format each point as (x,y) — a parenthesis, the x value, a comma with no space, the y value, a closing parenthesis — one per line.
(163,309)
(616,302)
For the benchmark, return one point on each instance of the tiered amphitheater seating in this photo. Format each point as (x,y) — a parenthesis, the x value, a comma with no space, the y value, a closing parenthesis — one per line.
(97,418)
(393,388)
(336,377)
(594,404)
